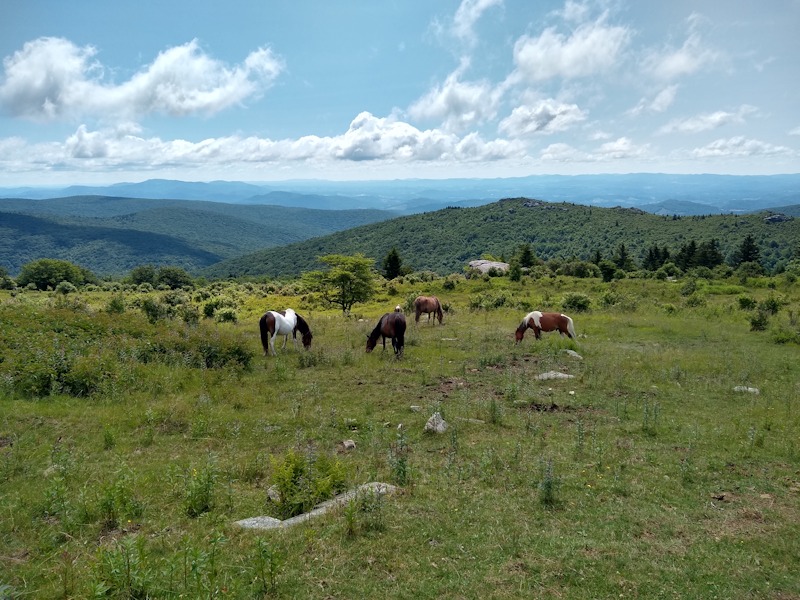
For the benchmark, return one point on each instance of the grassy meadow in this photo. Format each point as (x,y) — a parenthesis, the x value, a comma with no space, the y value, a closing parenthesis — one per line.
(129,447)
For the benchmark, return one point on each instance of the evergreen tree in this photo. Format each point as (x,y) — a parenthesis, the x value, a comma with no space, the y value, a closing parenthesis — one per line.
(709,255)
(623,259)
(748,251)
(392,264)
(686,258)
(526,257)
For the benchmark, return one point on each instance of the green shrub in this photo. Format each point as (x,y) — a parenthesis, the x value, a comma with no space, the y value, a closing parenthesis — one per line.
(302,481)
(575,302)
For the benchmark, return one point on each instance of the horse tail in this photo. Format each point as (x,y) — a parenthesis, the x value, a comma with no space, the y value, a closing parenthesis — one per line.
(264,328)
(570,327)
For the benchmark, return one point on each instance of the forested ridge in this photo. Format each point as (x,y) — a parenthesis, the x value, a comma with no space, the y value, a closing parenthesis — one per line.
(112,235)
(445,241)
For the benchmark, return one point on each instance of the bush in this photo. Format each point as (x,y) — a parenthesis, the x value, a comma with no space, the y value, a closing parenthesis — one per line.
(65,287)
(747,302)
(575,302)
(302,482)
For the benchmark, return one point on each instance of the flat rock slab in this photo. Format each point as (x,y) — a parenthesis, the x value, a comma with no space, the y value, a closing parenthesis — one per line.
(554,375)
(375,487)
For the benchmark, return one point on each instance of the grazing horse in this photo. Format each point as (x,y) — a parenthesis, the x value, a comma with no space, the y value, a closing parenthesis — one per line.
(539,322)
(283,322)
(391,325)
(429,305)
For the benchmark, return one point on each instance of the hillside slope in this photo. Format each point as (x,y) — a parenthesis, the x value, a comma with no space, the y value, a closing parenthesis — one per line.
(112,235)
(446,240)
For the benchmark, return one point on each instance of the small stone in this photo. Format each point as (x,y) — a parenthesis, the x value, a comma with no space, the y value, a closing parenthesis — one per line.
(348,445)
(415,408)
(749,390)
(436,424)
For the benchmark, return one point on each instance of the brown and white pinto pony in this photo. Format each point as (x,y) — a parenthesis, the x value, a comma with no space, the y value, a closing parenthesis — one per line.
(539,322)
(283,322)
(429,305)
(391,325)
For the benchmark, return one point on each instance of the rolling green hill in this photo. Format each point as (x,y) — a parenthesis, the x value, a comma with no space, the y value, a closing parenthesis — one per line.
(446,240)
(112,235)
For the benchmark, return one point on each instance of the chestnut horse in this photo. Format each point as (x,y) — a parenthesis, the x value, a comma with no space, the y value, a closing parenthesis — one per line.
(429,305)
(391,325)
(283,322)
(539,322)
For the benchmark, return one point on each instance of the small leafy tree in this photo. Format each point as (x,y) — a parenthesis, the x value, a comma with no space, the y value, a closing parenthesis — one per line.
(347,281)
(48,273)
(143,274)
(173,277)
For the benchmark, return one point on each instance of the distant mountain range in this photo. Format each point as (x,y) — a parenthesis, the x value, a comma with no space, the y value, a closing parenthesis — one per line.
(243,229)
(651,192)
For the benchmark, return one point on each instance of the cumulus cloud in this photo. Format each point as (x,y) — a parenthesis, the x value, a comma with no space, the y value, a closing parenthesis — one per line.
(457,104)
(671,63)
(52,78)
(738,146)
(708,121)
(544,117)
(590,49)
(621,148)
(368,138)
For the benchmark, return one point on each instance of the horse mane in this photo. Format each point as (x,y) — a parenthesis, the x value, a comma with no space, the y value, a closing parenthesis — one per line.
(373,337)
(301,325)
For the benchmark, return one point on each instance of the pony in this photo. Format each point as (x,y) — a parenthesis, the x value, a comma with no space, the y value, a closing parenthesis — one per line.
(283,322)
(391,325)
(429,305)
(539,322)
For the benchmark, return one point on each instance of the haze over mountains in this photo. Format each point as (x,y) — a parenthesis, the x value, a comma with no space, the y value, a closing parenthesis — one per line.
(651,192)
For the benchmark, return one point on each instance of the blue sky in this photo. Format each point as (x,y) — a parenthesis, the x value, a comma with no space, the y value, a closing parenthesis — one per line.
(94,91)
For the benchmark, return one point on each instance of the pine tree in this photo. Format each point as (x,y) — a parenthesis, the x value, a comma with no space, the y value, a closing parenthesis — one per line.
(392,264)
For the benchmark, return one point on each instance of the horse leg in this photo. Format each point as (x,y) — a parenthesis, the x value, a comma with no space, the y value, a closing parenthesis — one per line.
(272,343)
(416,317)
(537,333)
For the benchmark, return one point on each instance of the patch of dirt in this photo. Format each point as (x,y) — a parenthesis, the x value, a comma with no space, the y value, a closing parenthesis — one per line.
(551,407)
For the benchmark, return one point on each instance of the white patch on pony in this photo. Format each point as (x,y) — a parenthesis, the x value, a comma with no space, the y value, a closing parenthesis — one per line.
(537,318)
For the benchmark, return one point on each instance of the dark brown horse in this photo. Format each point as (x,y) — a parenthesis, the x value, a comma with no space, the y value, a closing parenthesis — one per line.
(539,322)
(283,322)
(391,325)
(429,305)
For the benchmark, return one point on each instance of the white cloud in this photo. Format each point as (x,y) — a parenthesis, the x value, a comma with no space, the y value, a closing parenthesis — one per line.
(672,63)
(368,138)
(708,121)
(738,146)
(621,148)
(563,153)
(591,49)
(545,117)
(52,78)
(795,131)
(456,104)
(664,99)
(468,13)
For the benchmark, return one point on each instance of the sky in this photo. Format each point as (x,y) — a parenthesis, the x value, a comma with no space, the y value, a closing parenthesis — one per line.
(99,92)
